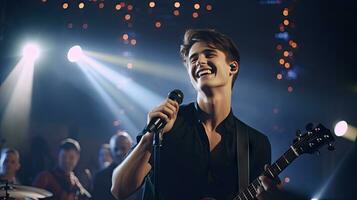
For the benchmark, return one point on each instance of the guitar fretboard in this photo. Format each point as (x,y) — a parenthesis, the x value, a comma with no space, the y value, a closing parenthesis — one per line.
(272,171)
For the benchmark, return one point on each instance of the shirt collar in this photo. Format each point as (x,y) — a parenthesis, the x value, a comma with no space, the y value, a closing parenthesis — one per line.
(227,125)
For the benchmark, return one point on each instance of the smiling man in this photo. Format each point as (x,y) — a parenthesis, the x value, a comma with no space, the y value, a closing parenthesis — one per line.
(199,142)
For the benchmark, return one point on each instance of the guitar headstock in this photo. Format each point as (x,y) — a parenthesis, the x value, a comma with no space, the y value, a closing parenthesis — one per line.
(313,140)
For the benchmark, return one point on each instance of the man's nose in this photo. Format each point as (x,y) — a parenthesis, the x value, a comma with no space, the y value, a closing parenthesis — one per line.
(201,60)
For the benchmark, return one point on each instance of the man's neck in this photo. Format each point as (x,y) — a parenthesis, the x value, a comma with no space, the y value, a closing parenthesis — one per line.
(215,107)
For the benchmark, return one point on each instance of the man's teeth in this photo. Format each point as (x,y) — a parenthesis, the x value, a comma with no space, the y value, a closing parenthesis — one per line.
(204,72)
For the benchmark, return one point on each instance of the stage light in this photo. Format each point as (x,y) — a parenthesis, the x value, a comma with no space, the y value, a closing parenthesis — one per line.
(290,89)
(195,15)
(286,22)
(81,5)
(125,36)
(209,7)
(127,17)
(158,24)
(286,12)
(279,47)
(130,7)
(101,5)
(65,6)
(281,61)
(75,54)
(287,65)
(129,65)
(152,4)
(314,199)
(85,26)
(117,7)
(279,76)
(286,53)
(341,128)
(176,12)
(196,6)
(177,4)
(133,42)
(31,51)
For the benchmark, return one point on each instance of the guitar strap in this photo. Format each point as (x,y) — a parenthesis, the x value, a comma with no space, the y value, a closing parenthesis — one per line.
(242,155)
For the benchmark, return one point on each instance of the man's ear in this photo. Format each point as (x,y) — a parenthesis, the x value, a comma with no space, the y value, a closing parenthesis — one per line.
(234,67)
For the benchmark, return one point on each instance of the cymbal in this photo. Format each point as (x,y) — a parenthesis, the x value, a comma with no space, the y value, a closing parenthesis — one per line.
(21,191)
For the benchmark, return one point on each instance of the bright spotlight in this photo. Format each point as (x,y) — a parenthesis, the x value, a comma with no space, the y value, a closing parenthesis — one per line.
(75,54)
(314,199)
(31,51)
(341,128)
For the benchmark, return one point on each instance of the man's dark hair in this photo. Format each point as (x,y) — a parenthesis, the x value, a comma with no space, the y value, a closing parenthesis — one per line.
(215,40)
(70,144)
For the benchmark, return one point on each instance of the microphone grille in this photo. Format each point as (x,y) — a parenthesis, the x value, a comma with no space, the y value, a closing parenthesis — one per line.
(176,95)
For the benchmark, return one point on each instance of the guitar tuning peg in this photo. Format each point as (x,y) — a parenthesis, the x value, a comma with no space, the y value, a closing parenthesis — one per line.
(309,127)
(331,147)
(298,133)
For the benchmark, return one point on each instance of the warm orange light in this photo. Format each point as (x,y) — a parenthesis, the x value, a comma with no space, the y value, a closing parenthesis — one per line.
(130,7)
(177,4)
(281,61)
(127,17)
(117,7)
(279,76)
(101,5)
(129,65)
(208,7)
(81,5)
(281,28)
(176,12)
(133,42)
(294,45)
(286,12)
(287,65)
(286,53)
(290,89)
(286,22)
(125,36)
(196,6)
(158,24)
(195,15)
(152,4)
(65,6)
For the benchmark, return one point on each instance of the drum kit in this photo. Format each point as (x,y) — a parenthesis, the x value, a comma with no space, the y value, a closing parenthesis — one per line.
(14,191)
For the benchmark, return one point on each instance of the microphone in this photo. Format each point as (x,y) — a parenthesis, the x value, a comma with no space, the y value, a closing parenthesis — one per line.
(156,124)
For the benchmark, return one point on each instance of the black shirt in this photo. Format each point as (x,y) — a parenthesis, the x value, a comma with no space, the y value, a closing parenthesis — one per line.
(188,170)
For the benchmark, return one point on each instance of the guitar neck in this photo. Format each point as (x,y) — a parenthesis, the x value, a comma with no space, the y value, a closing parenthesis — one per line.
(272,171)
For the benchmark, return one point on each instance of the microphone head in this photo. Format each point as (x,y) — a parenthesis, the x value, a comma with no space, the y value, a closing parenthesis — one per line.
(176,95)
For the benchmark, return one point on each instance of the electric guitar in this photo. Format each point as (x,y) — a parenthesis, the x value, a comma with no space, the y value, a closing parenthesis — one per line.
(309,142)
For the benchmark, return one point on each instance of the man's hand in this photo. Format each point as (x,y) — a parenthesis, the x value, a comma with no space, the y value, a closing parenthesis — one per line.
(270,189)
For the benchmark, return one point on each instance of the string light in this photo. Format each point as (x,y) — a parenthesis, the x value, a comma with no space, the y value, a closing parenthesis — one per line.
(152,4)
(81,5)
(158,24)
(65,6)
(196,6)
(177,4)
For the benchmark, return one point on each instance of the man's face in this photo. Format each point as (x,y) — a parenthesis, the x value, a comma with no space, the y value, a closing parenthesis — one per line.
(105,157)
(120,149)
(68,159)
(10,163)
(208,67)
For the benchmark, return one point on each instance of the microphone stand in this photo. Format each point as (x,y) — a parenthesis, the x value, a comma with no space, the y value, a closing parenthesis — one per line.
(156,154)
